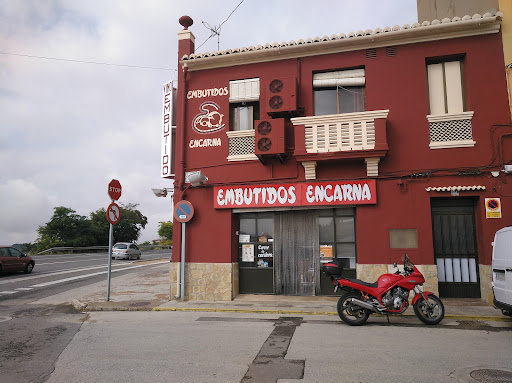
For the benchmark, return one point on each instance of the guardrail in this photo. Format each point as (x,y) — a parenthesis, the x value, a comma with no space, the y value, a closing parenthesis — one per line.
(86,249)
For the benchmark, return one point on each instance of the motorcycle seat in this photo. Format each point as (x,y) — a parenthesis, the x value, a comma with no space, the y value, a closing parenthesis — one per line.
(360,282)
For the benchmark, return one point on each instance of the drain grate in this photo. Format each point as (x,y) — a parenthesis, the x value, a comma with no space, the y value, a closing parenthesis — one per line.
(491,376)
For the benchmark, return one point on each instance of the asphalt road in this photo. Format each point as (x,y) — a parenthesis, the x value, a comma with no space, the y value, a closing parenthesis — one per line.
(56,273)
(33,335)
(225,347)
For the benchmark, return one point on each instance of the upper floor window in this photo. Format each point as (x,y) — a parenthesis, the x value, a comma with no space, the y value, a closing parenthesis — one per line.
(339,92)
(242,115)
(244,96)
(445,90)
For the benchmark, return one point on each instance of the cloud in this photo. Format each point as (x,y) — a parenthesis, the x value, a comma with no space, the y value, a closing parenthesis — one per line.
(22,206)
(68,128)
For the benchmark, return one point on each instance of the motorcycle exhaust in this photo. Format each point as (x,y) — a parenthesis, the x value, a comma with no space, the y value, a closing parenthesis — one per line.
(364,305)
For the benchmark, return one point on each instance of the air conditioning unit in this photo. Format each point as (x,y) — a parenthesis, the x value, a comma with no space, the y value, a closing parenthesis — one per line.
(281,96)
(269,137)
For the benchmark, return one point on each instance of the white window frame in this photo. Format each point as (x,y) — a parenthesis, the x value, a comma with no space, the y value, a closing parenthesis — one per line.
(346,79)
(446,102)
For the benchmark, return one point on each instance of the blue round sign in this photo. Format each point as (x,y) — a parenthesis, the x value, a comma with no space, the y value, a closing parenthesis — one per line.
(183,211)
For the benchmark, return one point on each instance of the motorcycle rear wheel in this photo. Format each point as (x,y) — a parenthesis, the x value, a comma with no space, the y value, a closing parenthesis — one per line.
(430,311)
(349,312)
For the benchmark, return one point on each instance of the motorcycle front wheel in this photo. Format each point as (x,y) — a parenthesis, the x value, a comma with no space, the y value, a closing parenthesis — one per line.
(429,311)
(349,312)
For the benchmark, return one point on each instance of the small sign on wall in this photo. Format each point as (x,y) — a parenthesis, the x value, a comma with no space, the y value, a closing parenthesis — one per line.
(492,208)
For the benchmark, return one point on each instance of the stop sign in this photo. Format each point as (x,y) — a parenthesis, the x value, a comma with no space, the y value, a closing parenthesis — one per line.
(114,190)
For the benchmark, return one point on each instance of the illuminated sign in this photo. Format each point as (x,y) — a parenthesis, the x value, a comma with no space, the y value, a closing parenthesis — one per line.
(300,194)
(168,132)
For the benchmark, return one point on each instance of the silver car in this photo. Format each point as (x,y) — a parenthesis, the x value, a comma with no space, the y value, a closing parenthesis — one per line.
(125,250)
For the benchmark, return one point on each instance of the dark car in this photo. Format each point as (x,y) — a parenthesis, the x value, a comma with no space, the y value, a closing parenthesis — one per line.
(12,259)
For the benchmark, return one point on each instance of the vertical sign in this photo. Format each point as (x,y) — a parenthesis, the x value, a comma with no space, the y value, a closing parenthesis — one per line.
(168,131)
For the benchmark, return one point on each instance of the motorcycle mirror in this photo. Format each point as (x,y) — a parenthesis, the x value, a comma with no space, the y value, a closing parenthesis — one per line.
(395,265)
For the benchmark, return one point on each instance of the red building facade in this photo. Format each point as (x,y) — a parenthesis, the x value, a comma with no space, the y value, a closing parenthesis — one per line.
(361,147)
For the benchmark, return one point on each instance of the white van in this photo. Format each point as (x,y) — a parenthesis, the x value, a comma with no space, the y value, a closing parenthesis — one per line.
(502,270)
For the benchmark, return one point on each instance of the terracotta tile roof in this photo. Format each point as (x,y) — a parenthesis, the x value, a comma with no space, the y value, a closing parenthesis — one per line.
(377,33)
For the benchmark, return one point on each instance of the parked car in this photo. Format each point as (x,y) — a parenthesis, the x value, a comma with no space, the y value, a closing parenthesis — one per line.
(502,270)
(125,250)
(12,259)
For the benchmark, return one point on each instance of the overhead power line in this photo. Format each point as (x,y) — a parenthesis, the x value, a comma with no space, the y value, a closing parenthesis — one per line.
(85,62)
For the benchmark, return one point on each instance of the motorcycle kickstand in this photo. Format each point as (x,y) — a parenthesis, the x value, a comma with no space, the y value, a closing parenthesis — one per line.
(387,316)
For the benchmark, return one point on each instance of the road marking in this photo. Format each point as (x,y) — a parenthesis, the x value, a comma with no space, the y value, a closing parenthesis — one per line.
(92,275)
(24,288)
(9,292)
(67,271)
(54,263)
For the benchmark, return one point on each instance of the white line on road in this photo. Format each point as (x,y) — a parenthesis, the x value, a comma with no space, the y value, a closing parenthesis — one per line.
(24,288)
(92,275)
(8,292)
(67,271)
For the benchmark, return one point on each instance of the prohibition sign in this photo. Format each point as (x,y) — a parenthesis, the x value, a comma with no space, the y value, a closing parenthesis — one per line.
(183,211)
(113,213)
(493,204)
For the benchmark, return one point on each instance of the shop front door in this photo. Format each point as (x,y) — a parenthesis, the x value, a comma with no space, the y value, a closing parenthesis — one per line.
(297,252)
(455,249)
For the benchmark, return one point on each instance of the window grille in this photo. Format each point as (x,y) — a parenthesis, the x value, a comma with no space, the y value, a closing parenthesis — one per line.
(240,146)
(451,130)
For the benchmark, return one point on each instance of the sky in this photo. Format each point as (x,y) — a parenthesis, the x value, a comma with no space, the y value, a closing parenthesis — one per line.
(70,123)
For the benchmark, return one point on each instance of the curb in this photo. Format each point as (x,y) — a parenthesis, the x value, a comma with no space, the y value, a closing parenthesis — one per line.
(81,307)
(329,313)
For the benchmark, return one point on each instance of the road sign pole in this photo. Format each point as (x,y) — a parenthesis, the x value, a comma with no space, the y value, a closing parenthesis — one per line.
(110,237)
(183,261)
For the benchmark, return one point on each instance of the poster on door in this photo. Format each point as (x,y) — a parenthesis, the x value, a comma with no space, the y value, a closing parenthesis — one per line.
(247,253)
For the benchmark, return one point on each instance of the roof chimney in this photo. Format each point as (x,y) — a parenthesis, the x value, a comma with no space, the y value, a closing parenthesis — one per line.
(186,39)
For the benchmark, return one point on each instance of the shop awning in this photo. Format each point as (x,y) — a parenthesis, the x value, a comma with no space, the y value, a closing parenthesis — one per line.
(454,188)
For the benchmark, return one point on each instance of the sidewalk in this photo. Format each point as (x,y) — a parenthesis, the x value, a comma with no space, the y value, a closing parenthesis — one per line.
(150,292)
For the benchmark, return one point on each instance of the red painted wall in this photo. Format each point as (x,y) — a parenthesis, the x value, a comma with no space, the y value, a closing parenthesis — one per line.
(397,83)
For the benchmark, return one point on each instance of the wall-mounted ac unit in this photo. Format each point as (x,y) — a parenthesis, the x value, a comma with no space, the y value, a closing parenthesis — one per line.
(269,137)
(281,96)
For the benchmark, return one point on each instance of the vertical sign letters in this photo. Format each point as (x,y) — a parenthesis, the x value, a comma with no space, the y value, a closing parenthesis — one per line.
(168,132)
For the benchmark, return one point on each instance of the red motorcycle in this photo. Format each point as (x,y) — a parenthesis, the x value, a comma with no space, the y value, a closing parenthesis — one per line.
(389,295)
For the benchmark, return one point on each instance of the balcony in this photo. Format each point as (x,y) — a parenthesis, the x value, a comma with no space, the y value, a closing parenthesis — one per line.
(341,136)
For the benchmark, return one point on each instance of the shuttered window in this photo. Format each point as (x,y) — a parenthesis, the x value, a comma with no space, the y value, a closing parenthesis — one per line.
(445,91)
(244,90)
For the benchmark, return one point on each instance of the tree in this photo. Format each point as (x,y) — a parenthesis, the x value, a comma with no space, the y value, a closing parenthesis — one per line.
(65,228)
(127,230)
(165,232)
(100,227)
(130,225)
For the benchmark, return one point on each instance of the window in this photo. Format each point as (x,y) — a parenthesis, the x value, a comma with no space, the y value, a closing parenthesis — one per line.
(337,235)
(244,96)
(449,123)
(15,252)
(256,240)
(339,92)
(242,115)
(445,90)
